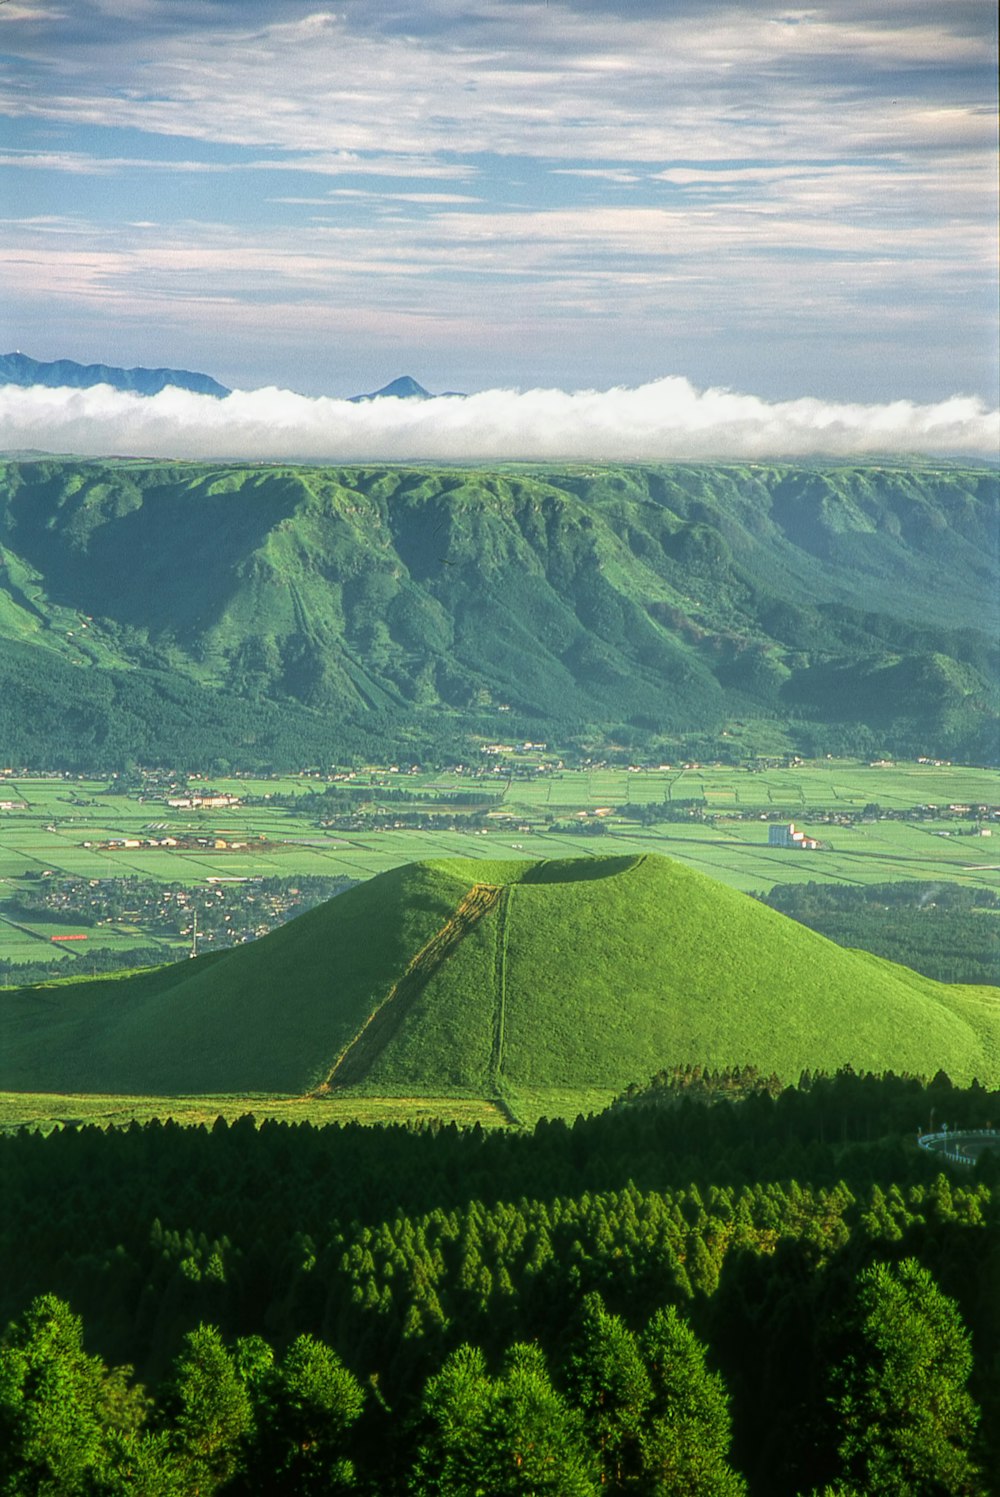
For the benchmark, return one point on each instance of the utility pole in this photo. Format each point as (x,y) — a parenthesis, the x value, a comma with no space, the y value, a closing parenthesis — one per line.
(194,933)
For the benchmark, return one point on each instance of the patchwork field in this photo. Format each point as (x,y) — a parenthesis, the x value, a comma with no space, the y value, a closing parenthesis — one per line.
(62,827)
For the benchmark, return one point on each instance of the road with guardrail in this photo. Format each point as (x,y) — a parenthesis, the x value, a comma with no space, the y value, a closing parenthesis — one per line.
(963,1146)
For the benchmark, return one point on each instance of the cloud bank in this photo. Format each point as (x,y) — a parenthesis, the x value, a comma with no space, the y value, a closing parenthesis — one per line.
(667,419)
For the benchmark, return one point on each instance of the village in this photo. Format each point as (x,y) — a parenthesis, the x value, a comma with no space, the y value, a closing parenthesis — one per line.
(219,912)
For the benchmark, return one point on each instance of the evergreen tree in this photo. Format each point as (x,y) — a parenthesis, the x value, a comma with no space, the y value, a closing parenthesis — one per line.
(907,1421)
(253,1360)
(140,1464)
(510,1436)
(212,1412)
(68,1423)
(533,1442)
(685,1446)
(58,1406)
(610,1384)
(450,1424)
(314,1401)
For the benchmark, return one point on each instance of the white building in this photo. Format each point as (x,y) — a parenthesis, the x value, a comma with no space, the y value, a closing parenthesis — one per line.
(787,836)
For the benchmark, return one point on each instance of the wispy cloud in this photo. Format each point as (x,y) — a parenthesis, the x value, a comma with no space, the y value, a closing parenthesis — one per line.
(668,419)
(555,80)
(772,184)
(78,163)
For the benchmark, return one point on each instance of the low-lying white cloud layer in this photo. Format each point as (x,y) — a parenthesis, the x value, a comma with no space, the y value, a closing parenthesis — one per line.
(664,420)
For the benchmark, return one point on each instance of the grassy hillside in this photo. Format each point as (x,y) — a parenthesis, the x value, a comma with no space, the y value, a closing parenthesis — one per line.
(409,606)
(271,1015)
(503,981)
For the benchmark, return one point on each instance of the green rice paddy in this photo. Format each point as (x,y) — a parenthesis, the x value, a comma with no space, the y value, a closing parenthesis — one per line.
(66,821)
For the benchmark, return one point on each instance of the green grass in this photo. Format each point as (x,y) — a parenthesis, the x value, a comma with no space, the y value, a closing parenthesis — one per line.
(672,966)
(269,1016)
(528,1104)
(585,976)
(45,1110)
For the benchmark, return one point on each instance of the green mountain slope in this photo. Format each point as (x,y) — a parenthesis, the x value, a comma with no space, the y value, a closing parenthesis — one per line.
(494,980)
(407,606)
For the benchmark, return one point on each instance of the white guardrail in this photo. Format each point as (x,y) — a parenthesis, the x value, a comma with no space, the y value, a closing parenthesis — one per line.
(950,1144)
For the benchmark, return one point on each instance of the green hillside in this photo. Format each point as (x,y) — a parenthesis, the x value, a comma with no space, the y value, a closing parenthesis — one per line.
(502,981)
(408,607)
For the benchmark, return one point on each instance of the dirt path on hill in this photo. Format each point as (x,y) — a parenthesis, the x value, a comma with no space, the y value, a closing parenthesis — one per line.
(500,1002)
(355,1061)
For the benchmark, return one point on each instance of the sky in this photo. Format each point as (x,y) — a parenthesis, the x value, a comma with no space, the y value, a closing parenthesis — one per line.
(785,203)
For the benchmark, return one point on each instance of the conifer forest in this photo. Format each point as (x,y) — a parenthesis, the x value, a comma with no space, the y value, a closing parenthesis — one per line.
(720,1285)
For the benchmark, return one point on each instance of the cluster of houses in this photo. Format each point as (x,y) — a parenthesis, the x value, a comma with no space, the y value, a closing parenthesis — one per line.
(212,802)
(217,844)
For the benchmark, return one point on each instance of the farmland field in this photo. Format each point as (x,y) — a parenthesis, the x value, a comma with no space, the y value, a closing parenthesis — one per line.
(63,827)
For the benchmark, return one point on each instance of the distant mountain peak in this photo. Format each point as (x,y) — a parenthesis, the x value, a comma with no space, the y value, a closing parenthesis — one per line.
(404,388)
(18,369)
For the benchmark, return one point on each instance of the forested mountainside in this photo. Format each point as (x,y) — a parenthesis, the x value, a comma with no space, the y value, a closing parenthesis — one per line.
(187,613)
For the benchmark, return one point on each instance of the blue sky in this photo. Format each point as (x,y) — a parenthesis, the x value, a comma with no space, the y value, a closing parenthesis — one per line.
(789,201)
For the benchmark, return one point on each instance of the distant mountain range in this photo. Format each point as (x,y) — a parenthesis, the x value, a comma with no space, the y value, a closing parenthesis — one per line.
(184,613)
(19,369)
